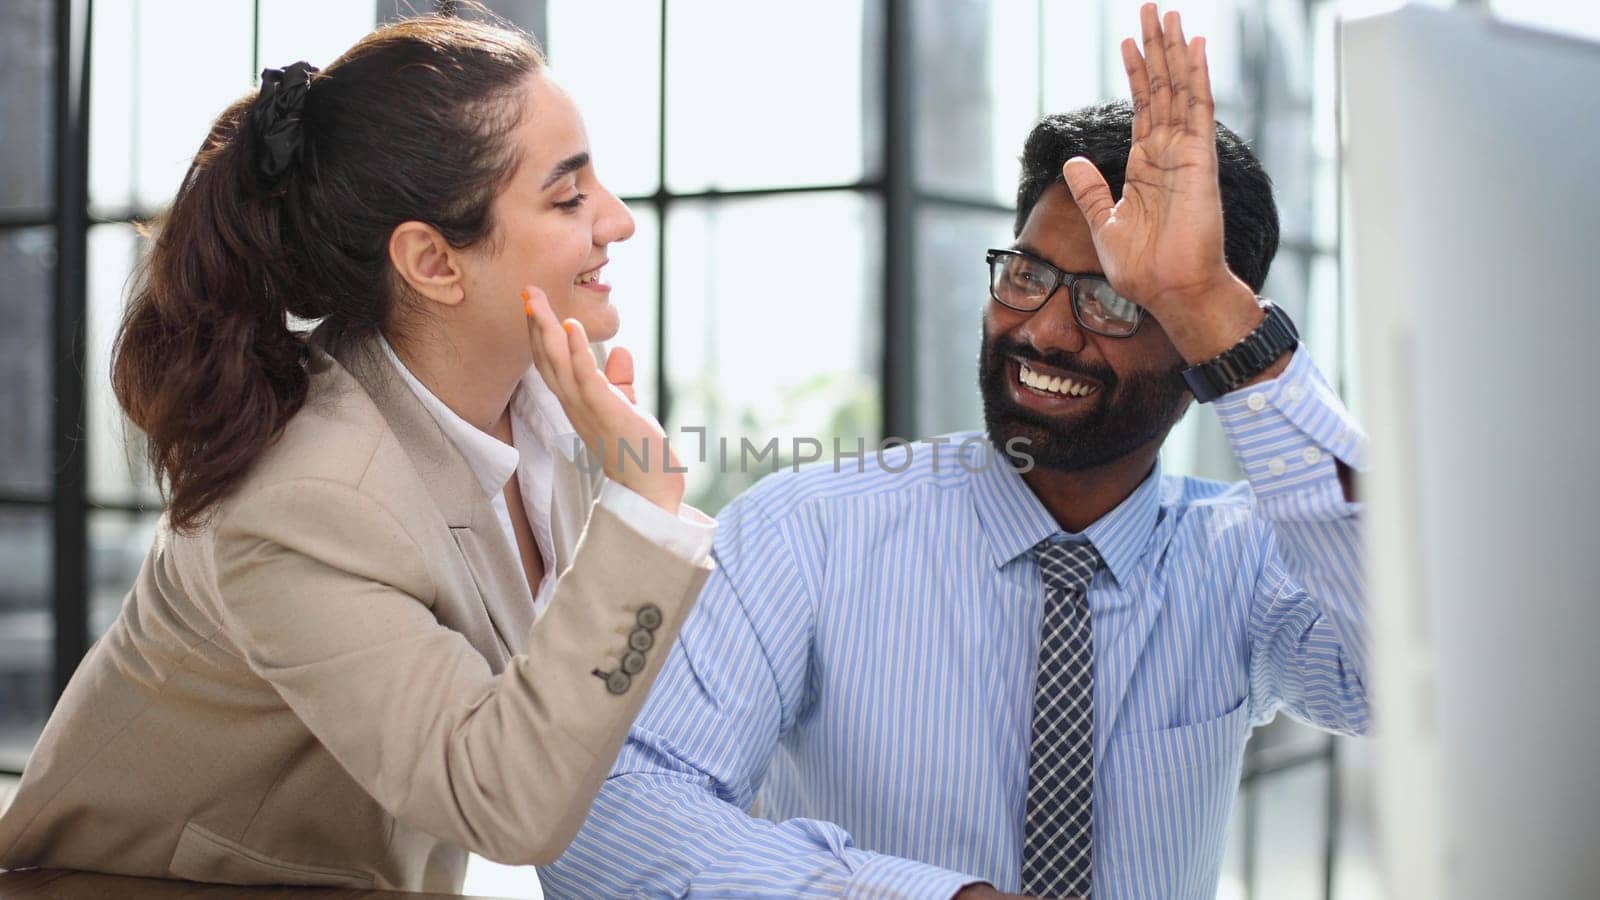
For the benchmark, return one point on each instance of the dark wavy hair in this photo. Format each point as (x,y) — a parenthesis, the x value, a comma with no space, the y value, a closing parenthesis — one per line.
(410,124)
(1103,133)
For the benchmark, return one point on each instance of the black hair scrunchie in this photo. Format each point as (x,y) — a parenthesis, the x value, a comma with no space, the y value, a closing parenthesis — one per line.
(277,113)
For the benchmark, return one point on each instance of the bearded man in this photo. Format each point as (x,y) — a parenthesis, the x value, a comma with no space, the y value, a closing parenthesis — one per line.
(960,675)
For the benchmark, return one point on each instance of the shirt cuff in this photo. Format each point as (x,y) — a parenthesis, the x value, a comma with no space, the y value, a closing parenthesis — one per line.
(688,535)
(895,878)
(1288,434)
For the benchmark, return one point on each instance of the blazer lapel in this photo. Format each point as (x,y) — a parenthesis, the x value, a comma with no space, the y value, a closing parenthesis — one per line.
(444,473)
(501,581)
(493,564)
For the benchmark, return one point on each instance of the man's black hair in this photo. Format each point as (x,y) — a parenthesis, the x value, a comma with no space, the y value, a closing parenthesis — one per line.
(1103,134)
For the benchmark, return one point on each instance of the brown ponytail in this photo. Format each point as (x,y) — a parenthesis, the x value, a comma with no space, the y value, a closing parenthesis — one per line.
(410,124)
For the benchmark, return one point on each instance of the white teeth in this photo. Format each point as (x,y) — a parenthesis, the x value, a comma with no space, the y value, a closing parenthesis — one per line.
(1052,384)
(590,278)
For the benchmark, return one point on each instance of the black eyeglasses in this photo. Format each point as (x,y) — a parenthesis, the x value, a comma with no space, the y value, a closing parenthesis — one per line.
(1025,283)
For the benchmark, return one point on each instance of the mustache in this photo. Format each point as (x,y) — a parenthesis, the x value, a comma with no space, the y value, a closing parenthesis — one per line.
(1001,346)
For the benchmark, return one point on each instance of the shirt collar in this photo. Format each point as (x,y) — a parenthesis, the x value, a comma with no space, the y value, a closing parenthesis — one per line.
(539,410)
(492,461)
(1014,520)
(1123,534)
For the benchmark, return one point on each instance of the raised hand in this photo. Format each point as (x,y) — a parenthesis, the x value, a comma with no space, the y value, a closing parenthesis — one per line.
(1161,243)
(601,405)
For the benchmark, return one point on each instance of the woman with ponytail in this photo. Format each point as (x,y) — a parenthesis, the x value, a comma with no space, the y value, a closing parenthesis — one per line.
(409,591)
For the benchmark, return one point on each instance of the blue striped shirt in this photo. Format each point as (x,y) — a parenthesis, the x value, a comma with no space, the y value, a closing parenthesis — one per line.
(848,709)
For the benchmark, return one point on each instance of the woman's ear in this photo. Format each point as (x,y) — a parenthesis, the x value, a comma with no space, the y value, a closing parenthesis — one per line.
(426,262)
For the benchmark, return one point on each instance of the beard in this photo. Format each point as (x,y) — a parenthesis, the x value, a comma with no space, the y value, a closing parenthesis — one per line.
(1128,414)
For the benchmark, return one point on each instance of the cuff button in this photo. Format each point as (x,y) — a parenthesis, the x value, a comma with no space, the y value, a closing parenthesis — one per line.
(650,618)
(633,663)
(641,640)
(618,682)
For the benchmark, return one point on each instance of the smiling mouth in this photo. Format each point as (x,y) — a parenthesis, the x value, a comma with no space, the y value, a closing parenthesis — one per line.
(1053,385)
(591,277)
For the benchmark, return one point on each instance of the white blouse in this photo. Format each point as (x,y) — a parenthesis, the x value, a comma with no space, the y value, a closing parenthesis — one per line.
(539,430)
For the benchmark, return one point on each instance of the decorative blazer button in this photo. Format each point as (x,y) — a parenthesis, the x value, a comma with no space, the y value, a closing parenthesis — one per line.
(641,640)
(633,662)
(650,617)
(618,682)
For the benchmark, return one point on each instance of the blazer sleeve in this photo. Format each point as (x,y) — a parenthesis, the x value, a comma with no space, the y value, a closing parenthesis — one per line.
(327,596)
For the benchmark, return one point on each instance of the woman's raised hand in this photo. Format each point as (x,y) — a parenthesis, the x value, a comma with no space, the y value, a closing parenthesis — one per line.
(601,406)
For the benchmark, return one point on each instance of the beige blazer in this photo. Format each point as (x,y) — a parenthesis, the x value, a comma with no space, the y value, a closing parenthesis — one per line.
(331,683)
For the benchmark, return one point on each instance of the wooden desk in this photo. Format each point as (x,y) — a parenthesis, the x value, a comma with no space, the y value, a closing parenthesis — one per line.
(66,884)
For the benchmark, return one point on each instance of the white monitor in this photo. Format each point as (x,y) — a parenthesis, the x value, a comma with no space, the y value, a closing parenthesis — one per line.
(1472,157)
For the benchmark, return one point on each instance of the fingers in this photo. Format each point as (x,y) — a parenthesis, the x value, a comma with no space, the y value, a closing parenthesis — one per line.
(585,374)
(1202,107)
(1169,80)
(1089,190)
(1176,51)
(578,349)
(1155,64)
(1138,86)
(548,340)
(619,371)
(594,386)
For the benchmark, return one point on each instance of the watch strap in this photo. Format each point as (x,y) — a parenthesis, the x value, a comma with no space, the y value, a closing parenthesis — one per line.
(1254,354)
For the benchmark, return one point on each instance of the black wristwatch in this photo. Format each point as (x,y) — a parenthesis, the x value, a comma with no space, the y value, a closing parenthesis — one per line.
(1262,347)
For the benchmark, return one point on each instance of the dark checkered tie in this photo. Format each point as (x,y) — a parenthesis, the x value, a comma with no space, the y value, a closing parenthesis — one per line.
(1057,836)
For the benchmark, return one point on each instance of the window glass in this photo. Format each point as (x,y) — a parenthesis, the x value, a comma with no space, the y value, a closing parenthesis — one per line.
(114,151)
(27,631)
(766,94)
(27,105)
(188,61)
(119,471)
(976,95)
(774,329)
(608,57)
(634,291)
(118,544)
(285,36)
(27,257)
(952,290)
